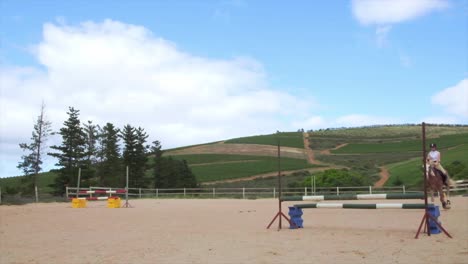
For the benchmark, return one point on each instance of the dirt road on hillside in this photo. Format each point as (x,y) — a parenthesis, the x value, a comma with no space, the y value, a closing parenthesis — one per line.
(310,153)
(384,175)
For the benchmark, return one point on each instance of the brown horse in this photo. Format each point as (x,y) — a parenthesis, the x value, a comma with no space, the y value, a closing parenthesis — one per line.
(436,181)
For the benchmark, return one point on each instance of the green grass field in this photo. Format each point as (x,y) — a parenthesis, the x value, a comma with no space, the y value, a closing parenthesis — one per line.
(396,147)
(444,142)
(237,166)
(287,139)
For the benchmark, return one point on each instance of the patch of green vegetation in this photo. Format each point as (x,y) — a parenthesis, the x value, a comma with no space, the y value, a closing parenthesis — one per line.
(194,159)
(443,142)
(287,139)
(12,184)
(391,131)
(270,182)
(208,168)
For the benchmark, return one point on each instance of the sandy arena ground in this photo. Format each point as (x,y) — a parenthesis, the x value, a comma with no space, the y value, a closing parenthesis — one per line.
(225,231)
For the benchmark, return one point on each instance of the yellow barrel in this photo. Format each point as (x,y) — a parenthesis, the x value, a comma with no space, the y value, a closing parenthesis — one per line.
(78,203)
(113,202)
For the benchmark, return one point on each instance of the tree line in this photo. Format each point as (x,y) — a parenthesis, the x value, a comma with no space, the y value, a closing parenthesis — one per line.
(102,153)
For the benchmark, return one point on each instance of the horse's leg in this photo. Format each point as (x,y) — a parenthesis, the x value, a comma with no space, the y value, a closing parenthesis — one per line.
(442,198)
(448,190)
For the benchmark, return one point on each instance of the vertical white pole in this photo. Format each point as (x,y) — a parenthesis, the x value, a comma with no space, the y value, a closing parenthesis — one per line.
(370,189)
(305,191)
(139,191)
(243,193)
(78,184)
(214,193)
(184,192)
(337,190)
(404,190)
(314,185)
(126,189)
(274,192)
(36,193)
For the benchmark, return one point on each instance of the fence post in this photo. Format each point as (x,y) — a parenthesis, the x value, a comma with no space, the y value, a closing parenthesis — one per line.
(184,192)
(243,192)
(370,189)
(337,190)
(274,192)
(36,193)
(214,193)
(66,191)
(305,191)
(139,192)
(157,193)
(404,189)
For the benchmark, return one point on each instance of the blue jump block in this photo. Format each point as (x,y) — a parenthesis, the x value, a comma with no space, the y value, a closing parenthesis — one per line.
(434,212)
(296,221)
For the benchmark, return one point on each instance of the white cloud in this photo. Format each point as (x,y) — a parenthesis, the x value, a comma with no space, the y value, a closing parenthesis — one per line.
(382,12)
(121,73)
(453,100)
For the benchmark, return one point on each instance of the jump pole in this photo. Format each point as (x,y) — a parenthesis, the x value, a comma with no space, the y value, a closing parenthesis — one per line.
(78,183)
(427,215)
(280,212)
(126,205)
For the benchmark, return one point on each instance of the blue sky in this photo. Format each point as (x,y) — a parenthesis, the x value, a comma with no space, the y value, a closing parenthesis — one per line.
(198,71)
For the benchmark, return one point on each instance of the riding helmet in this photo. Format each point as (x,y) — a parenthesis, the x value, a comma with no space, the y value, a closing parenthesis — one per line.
(433,145)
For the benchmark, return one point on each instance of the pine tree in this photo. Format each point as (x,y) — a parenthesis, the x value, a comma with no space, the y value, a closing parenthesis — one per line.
(31,163)
(91,150)
(187,178)
(110,169)
(141,151)
(128,135)
(158,177)
(70,153)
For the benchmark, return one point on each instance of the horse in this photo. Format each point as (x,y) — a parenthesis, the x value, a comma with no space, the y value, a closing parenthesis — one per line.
(436,181)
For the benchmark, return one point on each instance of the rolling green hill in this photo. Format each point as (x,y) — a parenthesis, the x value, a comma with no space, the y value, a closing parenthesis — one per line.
(364,150)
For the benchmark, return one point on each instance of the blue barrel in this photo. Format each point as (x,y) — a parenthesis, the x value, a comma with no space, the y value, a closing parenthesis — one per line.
(295,214)
(434,212)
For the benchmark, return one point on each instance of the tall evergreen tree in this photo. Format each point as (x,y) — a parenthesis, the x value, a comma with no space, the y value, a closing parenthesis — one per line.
(159,179)
(128,136)
(187,178)
(141,151)
(110,169)
(135,154)
(91,150)
(31,162)
(70,153)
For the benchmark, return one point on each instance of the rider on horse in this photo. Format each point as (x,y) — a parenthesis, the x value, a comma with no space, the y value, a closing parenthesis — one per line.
(433,157)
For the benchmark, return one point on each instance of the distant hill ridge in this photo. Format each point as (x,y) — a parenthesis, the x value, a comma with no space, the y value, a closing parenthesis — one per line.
(365,149)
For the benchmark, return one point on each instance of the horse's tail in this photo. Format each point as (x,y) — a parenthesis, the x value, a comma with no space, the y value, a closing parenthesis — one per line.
(451,183)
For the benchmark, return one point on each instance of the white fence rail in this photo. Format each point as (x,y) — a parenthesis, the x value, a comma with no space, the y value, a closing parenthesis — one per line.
(250,193)
(461,187)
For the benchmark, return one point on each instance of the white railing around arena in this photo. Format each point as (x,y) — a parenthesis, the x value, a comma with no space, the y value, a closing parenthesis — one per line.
(251,193)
